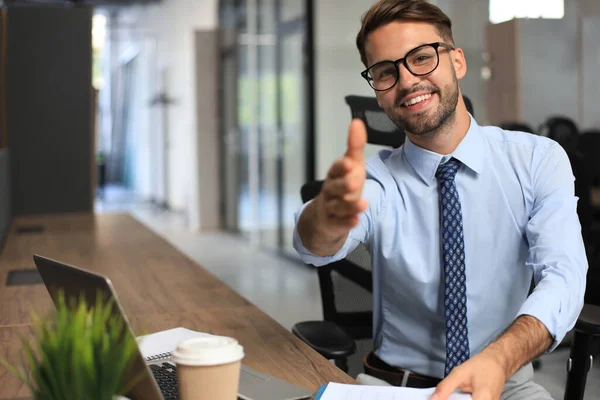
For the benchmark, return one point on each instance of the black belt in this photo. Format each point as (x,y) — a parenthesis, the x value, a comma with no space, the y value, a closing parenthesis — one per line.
(376,367)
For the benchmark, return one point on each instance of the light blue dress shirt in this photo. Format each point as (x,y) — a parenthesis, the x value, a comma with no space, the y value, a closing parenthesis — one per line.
(519,218)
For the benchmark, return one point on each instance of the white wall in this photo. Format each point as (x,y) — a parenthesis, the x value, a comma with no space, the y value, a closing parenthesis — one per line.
(549,70)
(469,19)
(591,97)
(550,67)
(337,75)
(590,8)
(169,27)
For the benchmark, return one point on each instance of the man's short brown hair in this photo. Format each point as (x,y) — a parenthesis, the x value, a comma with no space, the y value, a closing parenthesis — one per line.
(385,11)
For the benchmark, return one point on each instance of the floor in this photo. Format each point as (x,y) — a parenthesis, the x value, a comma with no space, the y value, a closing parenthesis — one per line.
(286,290)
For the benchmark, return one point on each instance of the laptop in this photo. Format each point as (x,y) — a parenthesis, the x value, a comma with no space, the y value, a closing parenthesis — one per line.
(159,380)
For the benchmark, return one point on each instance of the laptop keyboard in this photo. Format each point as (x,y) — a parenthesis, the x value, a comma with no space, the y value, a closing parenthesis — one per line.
(166,377)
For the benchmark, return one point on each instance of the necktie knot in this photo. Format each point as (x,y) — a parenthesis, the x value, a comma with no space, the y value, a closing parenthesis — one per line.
(447,171)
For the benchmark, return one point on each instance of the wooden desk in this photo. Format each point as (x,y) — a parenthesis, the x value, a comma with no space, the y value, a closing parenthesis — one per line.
(159,288)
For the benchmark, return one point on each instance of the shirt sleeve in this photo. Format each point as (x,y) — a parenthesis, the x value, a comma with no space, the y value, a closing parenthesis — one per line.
(556,251)
(361,233)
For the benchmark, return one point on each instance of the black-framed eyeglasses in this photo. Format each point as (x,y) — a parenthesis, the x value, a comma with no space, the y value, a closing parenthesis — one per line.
(419,61)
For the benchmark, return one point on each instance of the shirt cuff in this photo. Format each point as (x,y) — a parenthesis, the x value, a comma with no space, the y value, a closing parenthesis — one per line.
(546,307)
(309,258)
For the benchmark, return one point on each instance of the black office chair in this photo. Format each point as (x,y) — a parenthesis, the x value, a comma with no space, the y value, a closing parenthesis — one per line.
(588,146)
(587,329)
(586,169)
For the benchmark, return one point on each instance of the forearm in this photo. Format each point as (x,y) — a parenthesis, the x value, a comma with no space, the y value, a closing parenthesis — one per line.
(316,236)
(523,341)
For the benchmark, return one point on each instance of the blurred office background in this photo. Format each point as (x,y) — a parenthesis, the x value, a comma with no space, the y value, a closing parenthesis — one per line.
(221,110)
(205,117)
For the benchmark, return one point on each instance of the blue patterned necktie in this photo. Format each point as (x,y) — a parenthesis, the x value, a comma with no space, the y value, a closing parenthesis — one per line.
(455,296)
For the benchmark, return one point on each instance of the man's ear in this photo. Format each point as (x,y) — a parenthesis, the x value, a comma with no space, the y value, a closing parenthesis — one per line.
(460,63)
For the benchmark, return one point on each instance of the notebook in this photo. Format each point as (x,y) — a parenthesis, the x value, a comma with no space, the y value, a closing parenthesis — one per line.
(338,391)
(160,345)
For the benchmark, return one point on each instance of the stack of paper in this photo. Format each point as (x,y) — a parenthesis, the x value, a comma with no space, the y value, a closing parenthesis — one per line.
(337,391)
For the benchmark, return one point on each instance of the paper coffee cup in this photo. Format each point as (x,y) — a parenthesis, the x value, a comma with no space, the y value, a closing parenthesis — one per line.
(208,368)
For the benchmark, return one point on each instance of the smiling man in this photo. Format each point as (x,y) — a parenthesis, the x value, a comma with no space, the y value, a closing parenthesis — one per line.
(458,220)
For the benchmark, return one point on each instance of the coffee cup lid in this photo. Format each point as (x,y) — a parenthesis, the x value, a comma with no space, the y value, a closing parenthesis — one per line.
(209,350)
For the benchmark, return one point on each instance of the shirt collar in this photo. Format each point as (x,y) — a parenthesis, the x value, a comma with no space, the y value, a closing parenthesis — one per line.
(469,152)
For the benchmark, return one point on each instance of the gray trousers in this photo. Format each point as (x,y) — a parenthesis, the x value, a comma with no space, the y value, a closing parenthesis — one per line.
(521,386)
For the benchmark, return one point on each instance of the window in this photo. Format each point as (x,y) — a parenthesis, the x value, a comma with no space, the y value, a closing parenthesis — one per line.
(505,10)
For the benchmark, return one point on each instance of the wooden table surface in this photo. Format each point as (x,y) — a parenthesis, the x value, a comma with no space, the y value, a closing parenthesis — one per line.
(159,288)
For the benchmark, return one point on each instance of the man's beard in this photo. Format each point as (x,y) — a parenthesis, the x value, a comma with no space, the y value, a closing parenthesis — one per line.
(429,121)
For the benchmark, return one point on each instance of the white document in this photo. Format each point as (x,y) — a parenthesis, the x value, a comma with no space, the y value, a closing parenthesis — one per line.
(337,391)
(163,343)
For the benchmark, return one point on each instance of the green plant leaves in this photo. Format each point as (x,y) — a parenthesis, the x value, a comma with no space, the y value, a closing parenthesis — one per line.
(83,353)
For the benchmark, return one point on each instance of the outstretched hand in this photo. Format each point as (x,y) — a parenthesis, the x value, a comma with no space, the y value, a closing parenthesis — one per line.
(342,190)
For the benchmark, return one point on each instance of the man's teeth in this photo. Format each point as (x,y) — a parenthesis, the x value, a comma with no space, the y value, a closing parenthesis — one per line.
(417,100)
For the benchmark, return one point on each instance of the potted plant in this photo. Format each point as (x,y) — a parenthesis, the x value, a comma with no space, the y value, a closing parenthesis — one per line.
(80,354)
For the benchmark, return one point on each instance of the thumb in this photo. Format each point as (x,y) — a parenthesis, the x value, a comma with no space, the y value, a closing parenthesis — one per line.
(446,387)
(357,139)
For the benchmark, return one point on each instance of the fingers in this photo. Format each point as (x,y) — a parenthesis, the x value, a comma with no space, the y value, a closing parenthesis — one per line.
(340,168)
(339,209)
(345,176)
(357,139)
(447,386)
(343,187)
(340,197)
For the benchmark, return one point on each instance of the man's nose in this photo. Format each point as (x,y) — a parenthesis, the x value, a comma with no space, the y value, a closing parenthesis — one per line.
(405,78)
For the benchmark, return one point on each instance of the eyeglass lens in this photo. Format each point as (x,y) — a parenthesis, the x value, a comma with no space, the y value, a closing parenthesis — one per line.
(421,61)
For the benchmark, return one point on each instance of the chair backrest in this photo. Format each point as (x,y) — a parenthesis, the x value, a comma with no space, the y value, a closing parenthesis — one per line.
(381,130)
(586,169)
(588,146)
